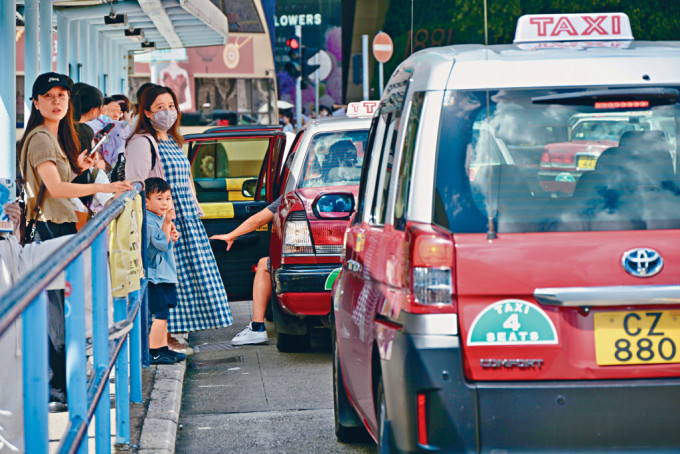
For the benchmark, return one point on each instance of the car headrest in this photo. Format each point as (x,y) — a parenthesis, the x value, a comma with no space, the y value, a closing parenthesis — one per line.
(638,139)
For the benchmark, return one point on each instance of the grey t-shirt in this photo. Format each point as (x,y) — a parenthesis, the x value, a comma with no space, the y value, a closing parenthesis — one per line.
(275,205)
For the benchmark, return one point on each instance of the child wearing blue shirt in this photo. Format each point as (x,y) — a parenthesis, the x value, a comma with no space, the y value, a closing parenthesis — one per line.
(161,235)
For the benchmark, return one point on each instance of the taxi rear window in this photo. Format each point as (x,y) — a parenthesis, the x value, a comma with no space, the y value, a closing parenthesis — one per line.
(510,164)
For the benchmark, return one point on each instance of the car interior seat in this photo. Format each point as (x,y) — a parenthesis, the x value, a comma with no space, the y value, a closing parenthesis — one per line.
(619,186)
(340,162)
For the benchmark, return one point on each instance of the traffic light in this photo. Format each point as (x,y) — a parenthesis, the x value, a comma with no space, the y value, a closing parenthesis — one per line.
(293,67)
(307,53)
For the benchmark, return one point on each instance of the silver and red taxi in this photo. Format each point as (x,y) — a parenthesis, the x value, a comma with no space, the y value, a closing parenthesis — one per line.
(321,182)
(479,311)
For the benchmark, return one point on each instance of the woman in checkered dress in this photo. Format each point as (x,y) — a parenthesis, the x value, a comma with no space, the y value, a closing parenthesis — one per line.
(202,301)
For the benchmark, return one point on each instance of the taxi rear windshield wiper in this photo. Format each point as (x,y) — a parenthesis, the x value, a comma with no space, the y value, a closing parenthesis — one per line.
(654,96)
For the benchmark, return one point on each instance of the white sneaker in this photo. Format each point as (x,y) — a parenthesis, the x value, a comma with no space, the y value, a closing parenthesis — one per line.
(248,336)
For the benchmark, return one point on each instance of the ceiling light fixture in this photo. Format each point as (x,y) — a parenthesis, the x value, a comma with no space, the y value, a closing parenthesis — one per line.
(135,33)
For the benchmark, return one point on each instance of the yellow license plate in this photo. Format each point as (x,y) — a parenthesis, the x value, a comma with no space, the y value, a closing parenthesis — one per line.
(637,337)
(586,162)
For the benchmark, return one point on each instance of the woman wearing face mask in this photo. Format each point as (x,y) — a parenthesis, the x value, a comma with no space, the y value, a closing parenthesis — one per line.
(155,150)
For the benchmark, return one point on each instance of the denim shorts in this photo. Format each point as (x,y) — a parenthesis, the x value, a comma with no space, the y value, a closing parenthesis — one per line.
(161,298)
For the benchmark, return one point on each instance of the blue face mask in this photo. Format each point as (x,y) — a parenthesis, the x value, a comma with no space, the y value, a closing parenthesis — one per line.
(163,119)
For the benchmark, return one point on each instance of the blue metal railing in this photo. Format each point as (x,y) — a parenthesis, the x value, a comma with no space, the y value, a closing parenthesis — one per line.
(28,299)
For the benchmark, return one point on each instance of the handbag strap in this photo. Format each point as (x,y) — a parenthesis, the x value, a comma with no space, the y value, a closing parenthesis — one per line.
(153,152)
(41,191)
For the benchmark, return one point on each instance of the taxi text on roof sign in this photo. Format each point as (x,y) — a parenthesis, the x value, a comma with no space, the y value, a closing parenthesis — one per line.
(573,27)
(363,109)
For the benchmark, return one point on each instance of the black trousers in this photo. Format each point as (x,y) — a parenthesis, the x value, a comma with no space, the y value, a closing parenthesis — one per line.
(55,317)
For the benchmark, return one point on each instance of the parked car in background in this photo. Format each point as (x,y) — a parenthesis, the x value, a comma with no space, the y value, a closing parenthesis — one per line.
(229,166)
(562,163)
(476,313)
(321,178)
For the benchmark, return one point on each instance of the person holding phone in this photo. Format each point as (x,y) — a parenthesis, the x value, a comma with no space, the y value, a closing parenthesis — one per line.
(50,156)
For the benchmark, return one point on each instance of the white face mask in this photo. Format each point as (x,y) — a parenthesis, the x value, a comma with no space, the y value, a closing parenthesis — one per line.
(164,119)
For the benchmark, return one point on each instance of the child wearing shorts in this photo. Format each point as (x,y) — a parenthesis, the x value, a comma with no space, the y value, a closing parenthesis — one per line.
(161,235)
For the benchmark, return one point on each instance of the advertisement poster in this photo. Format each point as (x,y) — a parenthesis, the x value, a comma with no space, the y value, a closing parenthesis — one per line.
(6,195)
(321,28)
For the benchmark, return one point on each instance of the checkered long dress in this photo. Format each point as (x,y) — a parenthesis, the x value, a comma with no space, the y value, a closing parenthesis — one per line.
(202,301)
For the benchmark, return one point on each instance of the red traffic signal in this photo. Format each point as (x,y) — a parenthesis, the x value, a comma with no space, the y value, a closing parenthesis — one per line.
(293,43)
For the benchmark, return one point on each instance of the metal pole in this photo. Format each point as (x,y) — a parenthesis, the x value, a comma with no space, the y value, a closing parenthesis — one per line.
(74,50)
(298,85)
(92,61)
(135,351)
(31,58)
(46,36)
(316,85)
(100,339)
(380,79)
(486,27)
(122,378)
(35,370)
(63,30)
(84,52)
(76,362)
(364,54)
(8,88)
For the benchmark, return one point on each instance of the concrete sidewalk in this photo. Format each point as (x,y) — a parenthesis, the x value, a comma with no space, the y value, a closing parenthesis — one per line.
(153,422)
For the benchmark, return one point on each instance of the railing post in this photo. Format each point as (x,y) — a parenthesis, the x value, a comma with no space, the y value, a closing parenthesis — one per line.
(135,352)
(122,380)
(36,387)
(144,307)
(100,340)
(76,362)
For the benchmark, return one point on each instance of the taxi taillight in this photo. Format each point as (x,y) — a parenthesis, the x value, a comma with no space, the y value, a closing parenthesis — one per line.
(431,264)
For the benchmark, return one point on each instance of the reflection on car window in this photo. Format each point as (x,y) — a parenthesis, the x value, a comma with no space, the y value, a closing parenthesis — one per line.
(539,167)
(228,158)
(334,159)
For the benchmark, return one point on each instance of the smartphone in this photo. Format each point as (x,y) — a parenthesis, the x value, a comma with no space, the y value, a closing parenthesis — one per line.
(100,137)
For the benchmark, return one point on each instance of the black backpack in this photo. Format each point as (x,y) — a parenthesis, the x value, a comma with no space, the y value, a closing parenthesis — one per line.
(118,171)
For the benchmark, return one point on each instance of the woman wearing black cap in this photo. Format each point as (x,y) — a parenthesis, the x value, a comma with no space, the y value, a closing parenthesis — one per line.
(50,157)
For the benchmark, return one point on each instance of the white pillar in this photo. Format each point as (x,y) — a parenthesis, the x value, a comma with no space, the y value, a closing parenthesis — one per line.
(31,57)
(46,36)
(84,56)
(63,31)
(8,87)
(74,49)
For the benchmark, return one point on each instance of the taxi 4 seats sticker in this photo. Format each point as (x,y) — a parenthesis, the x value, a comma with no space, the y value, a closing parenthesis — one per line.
(512,322)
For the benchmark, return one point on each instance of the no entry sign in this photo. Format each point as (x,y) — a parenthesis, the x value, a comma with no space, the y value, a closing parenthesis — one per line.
(382,47)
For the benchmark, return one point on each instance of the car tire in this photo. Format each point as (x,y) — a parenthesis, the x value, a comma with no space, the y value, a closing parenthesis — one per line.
(268,313)
(348,426)
(384,431)
(293,343)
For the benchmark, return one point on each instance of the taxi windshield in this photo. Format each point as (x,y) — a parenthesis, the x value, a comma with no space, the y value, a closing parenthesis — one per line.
(551,166)
(334,159)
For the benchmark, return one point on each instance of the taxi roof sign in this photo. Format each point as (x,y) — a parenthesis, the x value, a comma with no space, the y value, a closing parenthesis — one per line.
(534,28)
(363,109)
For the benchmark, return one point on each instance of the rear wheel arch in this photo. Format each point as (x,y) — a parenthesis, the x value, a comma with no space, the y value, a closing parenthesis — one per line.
(376,375)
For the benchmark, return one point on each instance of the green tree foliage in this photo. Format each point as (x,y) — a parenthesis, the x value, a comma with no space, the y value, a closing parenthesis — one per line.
(437,22)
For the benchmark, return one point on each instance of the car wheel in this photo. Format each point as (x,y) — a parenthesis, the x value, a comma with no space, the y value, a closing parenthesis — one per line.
(292,343)
(348,426)
(268,313)
(384,440)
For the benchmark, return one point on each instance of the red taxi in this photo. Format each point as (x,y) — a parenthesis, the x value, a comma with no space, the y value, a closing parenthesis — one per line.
(322,177)
(475,313)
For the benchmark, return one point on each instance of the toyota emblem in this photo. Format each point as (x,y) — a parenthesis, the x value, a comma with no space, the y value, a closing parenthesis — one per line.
(642,262)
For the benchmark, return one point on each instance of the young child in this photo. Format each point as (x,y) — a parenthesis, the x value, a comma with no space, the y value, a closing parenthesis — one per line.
(161,235)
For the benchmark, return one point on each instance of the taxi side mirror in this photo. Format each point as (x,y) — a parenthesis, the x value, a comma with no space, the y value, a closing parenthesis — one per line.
(249,187)
(335,205)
